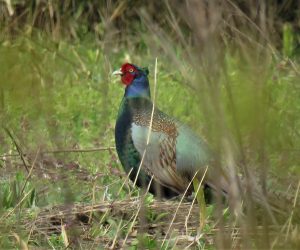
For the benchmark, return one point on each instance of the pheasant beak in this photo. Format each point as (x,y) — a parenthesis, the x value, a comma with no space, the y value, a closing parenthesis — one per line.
(117,72)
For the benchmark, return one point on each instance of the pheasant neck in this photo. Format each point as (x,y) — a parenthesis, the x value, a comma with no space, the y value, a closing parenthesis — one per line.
(138,88)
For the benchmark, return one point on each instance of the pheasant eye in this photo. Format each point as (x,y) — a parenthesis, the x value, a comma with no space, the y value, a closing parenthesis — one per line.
(130,70)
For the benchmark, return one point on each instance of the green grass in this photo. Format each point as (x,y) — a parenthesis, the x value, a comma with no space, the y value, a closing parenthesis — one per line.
(57,94)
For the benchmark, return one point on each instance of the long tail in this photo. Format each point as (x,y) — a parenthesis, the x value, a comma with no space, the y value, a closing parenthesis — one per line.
(238,190)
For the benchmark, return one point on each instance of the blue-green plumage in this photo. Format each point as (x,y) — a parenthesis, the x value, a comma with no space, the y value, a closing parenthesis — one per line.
(174,153)
(135,96)
(129,156)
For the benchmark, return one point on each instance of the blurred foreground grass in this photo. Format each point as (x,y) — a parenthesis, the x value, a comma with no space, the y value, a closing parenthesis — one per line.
(57,96)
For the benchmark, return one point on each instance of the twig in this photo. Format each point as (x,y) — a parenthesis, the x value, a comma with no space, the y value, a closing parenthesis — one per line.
(78,150)
(29,174)
(292,213)
(137,213)
(294,66)
(116,236)
(18,148)
(19,203)
(196,194)
(65,151)
(176,211)
(126,180)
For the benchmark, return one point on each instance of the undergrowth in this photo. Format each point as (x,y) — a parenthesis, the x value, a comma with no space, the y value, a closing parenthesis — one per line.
(58,105)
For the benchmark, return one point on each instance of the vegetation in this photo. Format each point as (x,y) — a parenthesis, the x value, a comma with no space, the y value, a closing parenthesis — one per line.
(230,70)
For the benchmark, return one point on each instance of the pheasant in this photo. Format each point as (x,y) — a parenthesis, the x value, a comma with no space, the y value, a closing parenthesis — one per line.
(174,152)
(170,152)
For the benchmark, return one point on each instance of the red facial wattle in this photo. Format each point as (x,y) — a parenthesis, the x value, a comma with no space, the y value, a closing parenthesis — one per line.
(129,72)
(127,78)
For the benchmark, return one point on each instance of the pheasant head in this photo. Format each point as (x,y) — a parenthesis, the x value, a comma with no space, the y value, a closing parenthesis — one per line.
(135,79)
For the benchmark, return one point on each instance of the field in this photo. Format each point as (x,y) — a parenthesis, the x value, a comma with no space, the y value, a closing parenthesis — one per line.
(232,78)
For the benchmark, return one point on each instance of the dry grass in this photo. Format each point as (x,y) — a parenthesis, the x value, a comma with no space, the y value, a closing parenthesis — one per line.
(179,229)
(237,62)
(49,221)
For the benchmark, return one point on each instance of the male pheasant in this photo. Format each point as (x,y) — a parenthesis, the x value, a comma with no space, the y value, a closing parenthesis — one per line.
(174,152)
